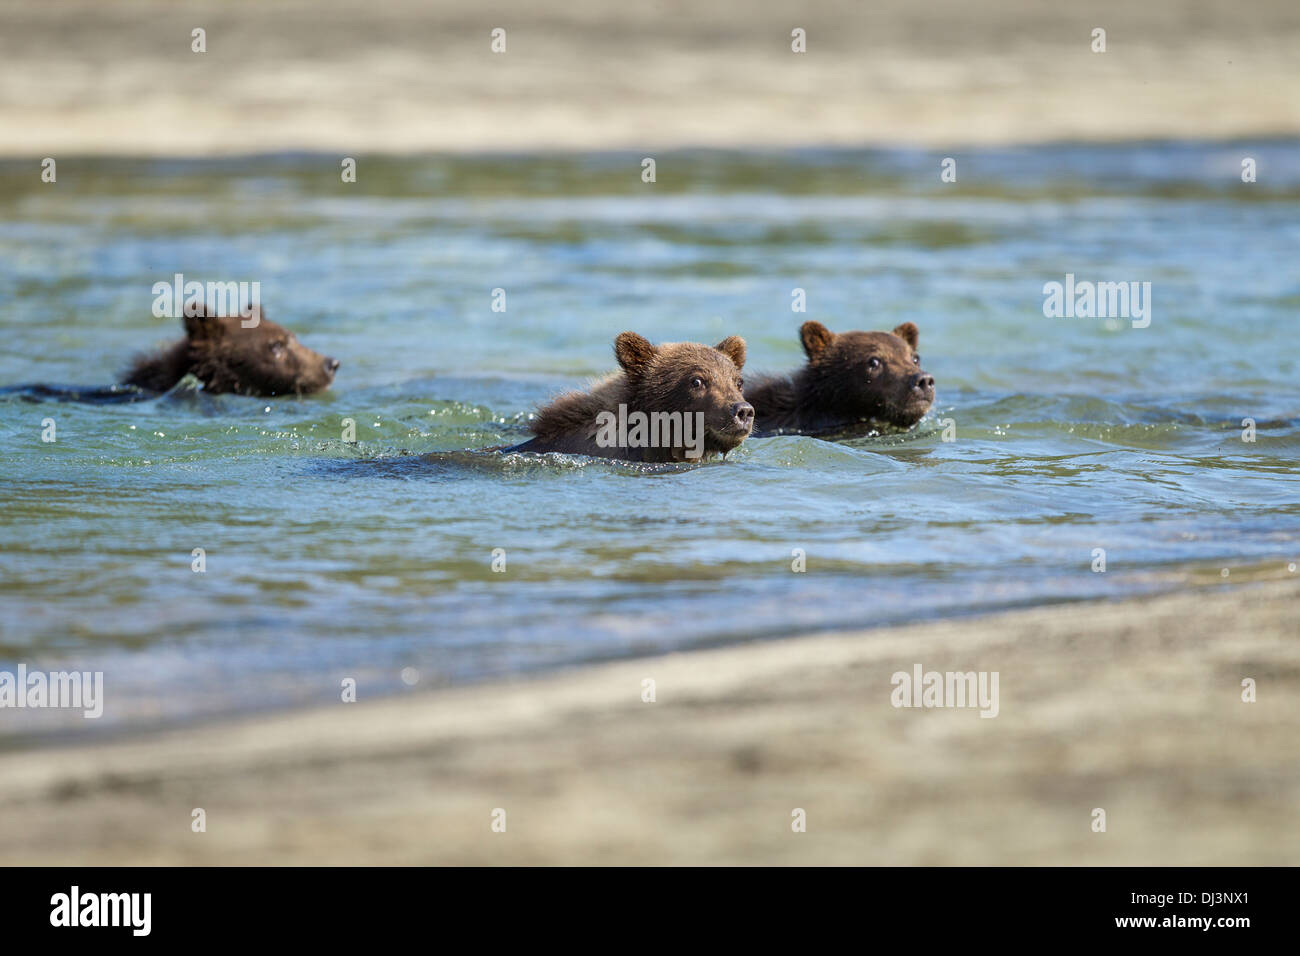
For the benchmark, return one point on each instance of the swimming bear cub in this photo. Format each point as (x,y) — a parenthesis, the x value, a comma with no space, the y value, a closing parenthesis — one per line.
(265,359)
(852,377)
(678,401)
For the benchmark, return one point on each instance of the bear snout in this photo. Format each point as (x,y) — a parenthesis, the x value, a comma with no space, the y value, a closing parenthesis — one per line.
(743,414)
(331,365)
(924,384)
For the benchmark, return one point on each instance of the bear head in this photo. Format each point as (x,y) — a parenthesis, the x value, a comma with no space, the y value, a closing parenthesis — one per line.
(252,355)
(690,378)
(868,375)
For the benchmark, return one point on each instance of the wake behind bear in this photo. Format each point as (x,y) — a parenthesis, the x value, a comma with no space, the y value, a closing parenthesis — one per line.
(850,378)
(678,401)
(246,354)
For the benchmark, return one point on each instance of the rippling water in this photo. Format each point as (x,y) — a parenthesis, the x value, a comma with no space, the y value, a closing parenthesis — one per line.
(328,560)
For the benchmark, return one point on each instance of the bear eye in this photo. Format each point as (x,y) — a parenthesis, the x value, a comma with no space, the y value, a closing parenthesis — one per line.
(697,382)
(277,349)
(740,383)
(874,363)
(916,359)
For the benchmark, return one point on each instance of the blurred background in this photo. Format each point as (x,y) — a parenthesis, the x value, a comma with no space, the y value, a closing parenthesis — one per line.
(93,77)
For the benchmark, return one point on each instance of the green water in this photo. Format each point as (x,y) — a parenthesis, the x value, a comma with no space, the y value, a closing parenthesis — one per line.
(327,559)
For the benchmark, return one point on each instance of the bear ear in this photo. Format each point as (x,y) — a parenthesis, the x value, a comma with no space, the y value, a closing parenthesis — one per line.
(633,352)
(816,338)
(733,347)
(908,332)
(199,326)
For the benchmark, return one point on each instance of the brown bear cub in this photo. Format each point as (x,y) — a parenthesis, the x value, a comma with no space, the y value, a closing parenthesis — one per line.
(850,378)
(263,360)
(679,401)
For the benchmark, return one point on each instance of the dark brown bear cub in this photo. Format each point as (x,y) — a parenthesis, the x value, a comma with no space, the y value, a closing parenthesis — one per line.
(850,378)
(679,401)
(264,360)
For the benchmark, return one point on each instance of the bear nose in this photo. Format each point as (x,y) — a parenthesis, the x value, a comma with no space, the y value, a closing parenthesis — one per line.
(744,413)
(924,383)
(331,365)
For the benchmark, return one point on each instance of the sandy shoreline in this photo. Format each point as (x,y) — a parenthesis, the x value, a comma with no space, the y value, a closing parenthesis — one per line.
(1134,707)
(84,77)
